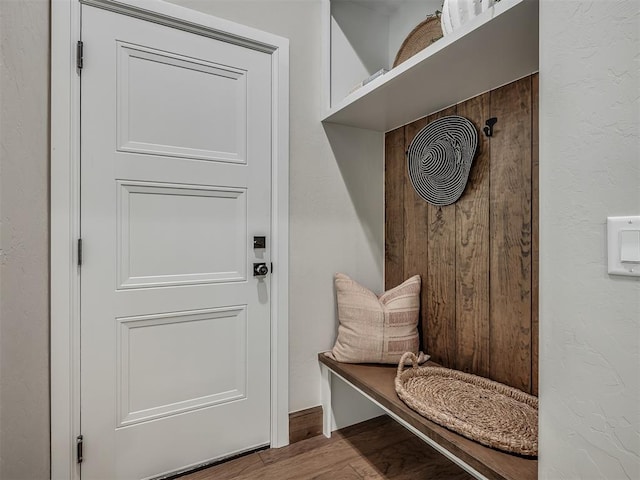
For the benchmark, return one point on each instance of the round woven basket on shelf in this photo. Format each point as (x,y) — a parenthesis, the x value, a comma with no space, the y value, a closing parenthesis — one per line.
(423,35)
(488,412)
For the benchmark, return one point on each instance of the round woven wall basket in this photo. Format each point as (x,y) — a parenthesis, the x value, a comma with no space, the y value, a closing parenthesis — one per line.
(488,412)
(425,33)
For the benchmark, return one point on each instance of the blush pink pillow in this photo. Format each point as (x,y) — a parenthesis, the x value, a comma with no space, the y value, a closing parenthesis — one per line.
(377,329)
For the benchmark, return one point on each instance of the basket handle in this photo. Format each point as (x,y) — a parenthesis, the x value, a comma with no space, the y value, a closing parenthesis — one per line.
(406,356)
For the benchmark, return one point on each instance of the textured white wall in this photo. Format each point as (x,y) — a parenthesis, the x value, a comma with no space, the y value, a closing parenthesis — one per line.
(24,227)
(589,169)
(336,196)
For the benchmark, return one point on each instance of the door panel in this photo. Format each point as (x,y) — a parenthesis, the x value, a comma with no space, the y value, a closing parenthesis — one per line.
(153,384)
(176,177)
(188,95)
(173,234)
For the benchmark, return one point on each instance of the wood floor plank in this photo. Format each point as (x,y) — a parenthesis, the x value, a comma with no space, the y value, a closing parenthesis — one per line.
(274,455)
(323,459)
(228,470)
(365,470)
(374,450)
(369,425)
(343,471)
(405,460)
(306,465)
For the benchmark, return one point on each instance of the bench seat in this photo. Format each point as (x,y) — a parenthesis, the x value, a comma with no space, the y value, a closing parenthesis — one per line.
(376,382)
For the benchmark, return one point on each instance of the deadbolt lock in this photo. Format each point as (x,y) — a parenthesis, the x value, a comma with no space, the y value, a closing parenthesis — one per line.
(260,269)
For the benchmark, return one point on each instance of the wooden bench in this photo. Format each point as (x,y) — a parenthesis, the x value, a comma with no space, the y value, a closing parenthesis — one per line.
(376,382)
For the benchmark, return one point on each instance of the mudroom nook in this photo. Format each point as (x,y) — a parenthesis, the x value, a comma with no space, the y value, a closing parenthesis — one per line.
(477,255)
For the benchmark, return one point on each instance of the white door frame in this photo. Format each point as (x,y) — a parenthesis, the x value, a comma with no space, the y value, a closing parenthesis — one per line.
(65,208)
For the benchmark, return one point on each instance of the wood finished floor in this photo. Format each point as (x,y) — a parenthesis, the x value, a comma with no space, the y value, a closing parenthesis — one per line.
(373,450)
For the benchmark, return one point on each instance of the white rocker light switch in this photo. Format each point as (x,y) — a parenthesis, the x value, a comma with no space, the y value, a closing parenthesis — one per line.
(623,245)
(630,246)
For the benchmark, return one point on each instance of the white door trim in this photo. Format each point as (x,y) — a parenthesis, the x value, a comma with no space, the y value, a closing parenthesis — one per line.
(65,209)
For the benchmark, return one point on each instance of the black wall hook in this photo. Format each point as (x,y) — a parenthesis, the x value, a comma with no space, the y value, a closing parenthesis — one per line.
(488,129)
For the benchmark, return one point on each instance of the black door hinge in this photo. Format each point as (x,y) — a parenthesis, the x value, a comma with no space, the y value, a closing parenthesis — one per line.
(79,55)
(79,445)
(79,252)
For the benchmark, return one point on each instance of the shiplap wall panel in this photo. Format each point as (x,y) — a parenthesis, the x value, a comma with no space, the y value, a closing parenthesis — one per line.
(394,209)
(416,232)
(510,227)
(438,321)
(535,215)
(472,252)
(477,257)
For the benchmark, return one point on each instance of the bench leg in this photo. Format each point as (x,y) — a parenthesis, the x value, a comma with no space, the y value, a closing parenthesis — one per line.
(327,411)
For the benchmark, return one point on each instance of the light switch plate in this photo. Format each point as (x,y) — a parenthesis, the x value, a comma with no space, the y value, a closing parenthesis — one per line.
(619,229)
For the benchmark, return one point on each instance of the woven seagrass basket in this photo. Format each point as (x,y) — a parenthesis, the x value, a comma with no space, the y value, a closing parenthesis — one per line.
(423,35)
(488,412)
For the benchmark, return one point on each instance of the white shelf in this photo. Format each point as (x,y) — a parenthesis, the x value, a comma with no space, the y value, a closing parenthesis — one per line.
(495,48)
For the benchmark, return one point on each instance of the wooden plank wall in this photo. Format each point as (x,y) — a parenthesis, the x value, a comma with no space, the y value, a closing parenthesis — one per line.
(478,258)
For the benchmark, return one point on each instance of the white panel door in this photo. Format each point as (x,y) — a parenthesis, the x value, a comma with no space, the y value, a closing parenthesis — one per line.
(176,177)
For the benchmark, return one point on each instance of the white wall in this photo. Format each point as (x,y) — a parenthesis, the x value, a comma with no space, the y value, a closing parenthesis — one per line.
(589,169)
(336,196)
(366,36)
(24,227)
(359,43)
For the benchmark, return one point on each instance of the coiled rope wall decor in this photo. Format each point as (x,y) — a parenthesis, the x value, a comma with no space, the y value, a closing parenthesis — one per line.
(439,159)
